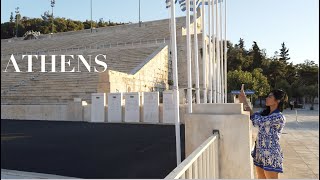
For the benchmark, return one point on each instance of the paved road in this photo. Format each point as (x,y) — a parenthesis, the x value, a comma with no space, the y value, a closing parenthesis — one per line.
(88,150)
(301,144)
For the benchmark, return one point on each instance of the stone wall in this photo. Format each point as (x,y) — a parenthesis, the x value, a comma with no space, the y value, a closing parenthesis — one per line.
(35,112)
(72,111)
(152,75)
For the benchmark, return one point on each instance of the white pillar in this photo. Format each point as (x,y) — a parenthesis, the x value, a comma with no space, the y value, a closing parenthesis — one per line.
(221,55)
(189,58)
(218,56)
(210,55)
(196,63)
(214,62)
(175,80)
(225,52)
(204,49)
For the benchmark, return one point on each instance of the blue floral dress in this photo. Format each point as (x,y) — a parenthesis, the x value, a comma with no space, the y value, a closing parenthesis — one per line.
(267,152)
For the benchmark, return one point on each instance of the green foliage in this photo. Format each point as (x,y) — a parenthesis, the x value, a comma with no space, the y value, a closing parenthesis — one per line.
(261,85)
(257,57)
(308,72)
(262,74)
(7,30)
(291,73)
(284,85)
(284,53)
(238,58)
(311,92)
(253,81)
(11,17)
(238,77)
(275,71)
(44,25)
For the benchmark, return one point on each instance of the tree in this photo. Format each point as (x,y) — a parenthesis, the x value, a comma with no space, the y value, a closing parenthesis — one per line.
(253,81)
(291,73)
(261,85)
(87,24)
(7,30)
(284,53)
(11,17)
(241,44)
(275,71)
(311,92)
(238,58)
(238,77)
(306,83)
(284,85)
(44,25)
(307,72)
(46,16)
(101,23)
(257,57)
(297,89)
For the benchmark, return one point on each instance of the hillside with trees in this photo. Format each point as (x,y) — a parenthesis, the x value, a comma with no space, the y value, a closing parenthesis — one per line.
(261,73)
(19,25)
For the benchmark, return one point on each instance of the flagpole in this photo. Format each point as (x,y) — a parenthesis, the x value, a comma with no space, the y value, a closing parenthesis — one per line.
(204,50)
(225,51)
(214,62)
(139,14)
(189,58)
(195,36)
(221,55)
(209,52)
(91,15)
(175,80)
(218,56)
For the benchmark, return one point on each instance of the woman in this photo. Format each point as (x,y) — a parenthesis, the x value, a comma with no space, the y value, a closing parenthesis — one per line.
(267,154)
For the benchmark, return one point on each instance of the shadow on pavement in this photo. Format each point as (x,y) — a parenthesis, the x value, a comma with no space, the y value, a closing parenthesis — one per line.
(89,150)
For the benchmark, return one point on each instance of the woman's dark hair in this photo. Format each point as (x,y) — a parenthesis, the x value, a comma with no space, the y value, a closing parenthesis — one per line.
(278,95)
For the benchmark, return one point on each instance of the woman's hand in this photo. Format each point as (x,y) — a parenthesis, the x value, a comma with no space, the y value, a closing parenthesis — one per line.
(243,99)
(242,96)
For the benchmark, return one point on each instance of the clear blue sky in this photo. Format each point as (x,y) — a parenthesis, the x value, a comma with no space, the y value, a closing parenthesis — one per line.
(268,22)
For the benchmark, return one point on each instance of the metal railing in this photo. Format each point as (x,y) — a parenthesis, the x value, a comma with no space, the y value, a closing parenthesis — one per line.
(200,164)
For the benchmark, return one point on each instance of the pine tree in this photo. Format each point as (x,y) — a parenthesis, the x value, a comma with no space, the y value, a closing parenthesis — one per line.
(241,44)
(11,17)
(284,55)
(257,56)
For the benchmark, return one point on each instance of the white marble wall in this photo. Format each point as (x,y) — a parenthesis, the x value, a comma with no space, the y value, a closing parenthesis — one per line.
(114,107)
(132,107)
(168,107)
(151,107)
(98,107)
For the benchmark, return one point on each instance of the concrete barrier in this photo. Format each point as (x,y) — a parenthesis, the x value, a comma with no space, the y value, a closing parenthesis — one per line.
(235,141)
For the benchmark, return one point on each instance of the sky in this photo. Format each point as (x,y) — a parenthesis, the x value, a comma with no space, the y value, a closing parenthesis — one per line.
(268,22)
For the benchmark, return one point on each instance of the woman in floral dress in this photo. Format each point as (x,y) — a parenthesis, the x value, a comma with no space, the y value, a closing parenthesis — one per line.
(267,154)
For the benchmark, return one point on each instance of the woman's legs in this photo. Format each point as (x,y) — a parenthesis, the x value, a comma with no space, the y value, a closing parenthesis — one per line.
(271,175)
(260,173)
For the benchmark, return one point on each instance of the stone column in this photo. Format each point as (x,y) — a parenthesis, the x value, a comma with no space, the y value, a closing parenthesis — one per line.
(235,141)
